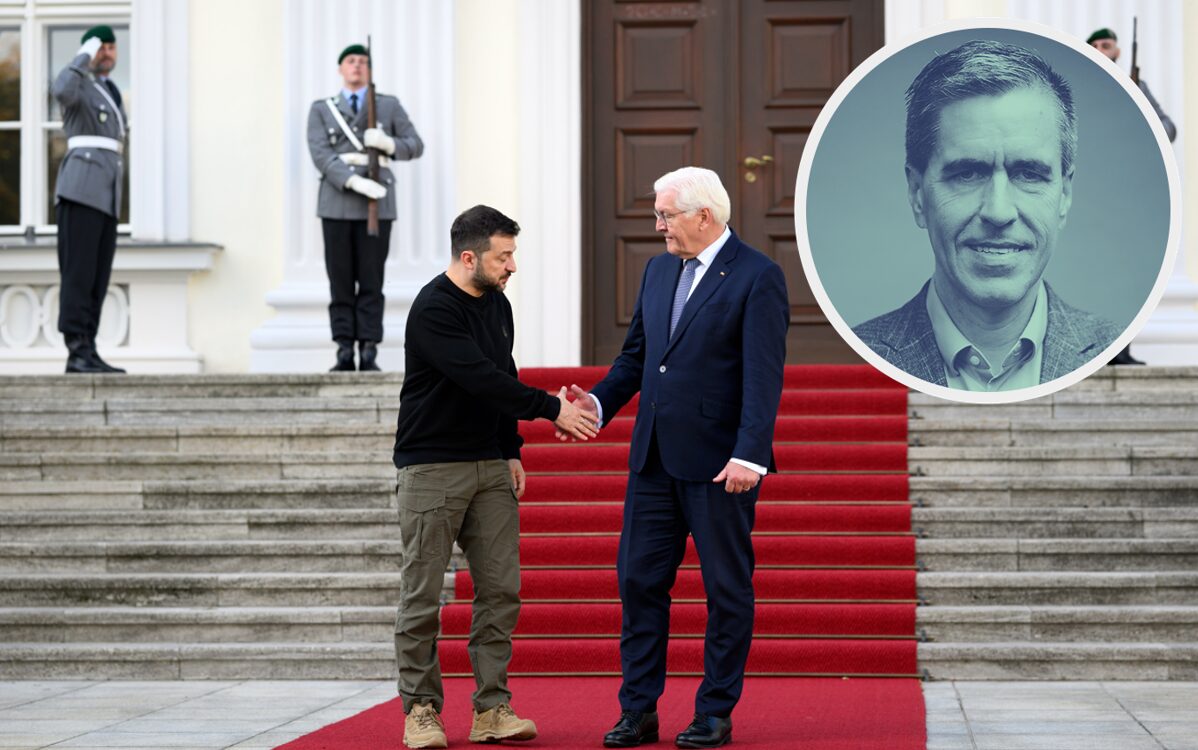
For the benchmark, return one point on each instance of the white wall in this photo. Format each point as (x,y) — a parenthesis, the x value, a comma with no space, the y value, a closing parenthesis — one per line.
(236,172)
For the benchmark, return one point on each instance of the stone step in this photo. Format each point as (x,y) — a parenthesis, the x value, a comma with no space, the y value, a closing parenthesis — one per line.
(1143,624)
(84,495)
(157,412)
(1022,660)
(1077,523)
(377,624)
(1086,461)
(1057,588)
(219,439)
(1092,402)
(1055,492)
(197,624)
(373,660)
(103,387)
(202,589)
(204,466)
(1055,433)
(385,554)
(197,661)
(164,557)
(1027,555)
(200,525)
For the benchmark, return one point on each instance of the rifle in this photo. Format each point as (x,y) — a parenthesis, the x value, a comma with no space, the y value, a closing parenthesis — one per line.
(372,154)
(1135,48)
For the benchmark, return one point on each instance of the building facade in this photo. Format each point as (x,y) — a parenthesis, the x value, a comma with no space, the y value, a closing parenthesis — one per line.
(222,270)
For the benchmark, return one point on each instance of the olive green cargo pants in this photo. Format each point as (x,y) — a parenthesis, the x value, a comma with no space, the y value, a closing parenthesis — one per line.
(473,503)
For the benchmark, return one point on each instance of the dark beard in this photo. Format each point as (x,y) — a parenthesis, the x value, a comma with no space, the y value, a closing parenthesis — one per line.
(482,283)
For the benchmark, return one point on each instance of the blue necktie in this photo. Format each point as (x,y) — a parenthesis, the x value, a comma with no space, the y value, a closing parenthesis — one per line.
(684,287)
(353,103)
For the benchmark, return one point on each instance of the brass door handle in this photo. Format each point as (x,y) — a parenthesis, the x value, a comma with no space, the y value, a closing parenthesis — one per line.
(752,162)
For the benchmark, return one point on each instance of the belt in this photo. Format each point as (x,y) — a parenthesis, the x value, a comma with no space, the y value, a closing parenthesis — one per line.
(95,141)
(358,159)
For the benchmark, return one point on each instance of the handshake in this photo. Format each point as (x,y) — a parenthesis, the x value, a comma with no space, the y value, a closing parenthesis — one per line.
(578,419)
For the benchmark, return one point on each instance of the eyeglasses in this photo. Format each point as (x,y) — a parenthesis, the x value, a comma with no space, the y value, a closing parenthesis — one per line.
(668,218)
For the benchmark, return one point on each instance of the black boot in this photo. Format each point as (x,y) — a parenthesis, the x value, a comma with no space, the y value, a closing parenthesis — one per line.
(368,352)
(345,356)
(104,366)
(80,355)
(1124,358)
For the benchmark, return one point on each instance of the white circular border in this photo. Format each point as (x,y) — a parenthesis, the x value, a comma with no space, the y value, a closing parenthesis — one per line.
(902,376)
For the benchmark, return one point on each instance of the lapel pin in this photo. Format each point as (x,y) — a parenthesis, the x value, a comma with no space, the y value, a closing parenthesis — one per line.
(722,273)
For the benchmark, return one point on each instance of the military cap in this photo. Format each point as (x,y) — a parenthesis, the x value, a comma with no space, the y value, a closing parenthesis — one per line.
(103,33)
(1103,33)
(353,49)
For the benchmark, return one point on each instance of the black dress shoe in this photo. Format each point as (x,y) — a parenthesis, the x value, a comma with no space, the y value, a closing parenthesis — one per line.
(1124,358)
(345,357)
(706,731)
(634,728)
(95,357)
(368,352)
(80,357)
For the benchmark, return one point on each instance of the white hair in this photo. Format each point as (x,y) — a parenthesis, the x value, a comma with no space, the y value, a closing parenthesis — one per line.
(696,188)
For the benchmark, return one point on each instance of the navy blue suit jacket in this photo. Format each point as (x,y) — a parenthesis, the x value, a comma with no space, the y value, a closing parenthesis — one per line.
(711,392)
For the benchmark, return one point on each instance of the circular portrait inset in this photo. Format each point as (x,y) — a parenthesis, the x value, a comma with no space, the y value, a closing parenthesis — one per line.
(988,214)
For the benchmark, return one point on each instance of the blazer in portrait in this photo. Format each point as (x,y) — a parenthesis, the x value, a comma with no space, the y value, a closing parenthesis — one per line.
(904,338)
(711,392)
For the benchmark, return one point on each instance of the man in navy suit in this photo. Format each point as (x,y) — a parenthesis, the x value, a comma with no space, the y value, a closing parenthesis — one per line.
(705,349)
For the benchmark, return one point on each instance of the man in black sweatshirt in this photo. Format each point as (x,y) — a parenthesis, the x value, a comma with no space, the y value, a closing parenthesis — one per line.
(460,476)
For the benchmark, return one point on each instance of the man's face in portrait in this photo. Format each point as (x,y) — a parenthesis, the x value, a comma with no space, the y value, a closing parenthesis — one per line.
(993,197)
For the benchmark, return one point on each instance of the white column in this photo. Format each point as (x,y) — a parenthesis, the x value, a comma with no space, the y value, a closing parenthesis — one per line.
(905,17)
(159,175)
(412,59)
(547,289)
(1171,335)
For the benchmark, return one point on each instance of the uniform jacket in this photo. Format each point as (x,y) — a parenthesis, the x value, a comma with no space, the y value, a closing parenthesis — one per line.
(711,392)
(91,176)
(326,140)
(904,338)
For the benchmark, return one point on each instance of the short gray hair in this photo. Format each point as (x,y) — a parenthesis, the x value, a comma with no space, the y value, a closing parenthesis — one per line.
(697,188)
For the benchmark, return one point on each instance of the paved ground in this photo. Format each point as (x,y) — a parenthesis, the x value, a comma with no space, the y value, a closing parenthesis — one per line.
(262,714)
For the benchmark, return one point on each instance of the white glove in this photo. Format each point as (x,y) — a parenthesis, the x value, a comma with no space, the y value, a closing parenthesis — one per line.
(376,138)
(90,46)
(365,186)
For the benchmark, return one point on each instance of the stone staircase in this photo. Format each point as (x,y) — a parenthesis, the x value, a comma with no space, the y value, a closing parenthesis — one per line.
(166,527)
(1060,536)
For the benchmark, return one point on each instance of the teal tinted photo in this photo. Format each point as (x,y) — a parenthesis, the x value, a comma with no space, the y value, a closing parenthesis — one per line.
(988,210)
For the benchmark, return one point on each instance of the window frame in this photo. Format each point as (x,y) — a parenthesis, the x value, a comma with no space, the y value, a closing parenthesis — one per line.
(35,19)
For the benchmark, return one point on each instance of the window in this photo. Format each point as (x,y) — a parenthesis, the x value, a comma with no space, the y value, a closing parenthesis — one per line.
(38,38)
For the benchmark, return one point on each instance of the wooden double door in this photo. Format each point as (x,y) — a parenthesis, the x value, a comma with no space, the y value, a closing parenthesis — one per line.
(732,85)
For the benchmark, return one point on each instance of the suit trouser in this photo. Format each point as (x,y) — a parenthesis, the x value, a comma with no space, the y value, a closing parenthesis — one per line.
(659,512)
(472,502)
(86,247)
(355,262)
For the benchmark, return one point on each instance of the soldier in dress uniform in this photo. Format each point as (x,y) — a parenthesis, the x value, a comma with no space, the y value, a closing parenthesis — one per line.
(88,195)
(1105,41)
(338,139)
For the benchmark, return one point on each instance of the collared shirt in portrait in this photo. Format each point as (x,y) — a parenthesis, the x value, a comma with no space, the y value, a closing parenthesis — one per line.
(361,93)
(967,369)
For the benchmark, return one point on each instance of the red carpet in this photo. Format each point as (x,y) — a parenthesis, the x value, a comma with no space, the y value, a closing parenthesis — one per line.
(835,586)
(835,582)
(774,714)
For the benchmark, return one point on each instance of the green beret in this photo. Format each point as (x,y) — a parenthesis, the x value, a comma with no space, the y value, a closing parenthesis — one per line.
(353,49)
(103,33)
(1103,33)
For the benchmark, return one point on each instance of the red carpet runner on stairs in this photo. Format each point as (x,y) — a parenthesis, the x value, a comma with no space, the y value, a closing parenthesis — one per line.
(835,580)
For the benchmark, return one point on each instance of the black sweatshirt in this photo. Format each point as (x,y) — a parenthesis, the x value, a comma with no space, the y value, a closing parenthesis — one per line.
(460,398)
